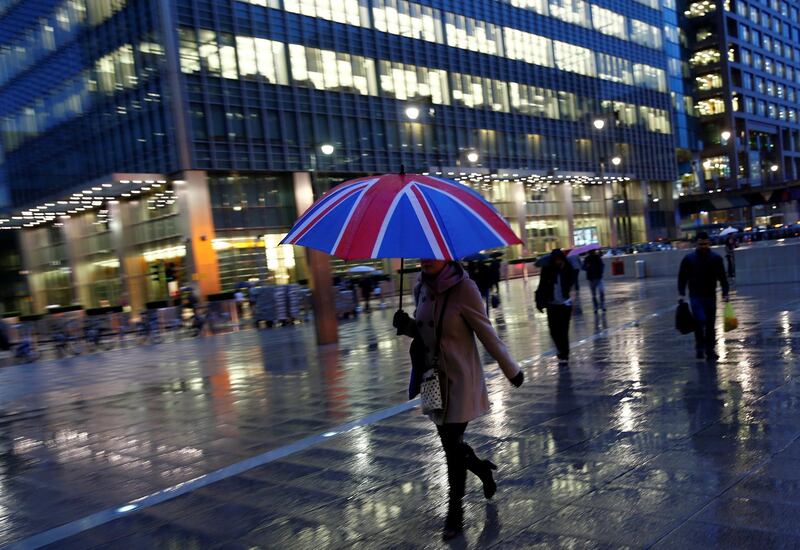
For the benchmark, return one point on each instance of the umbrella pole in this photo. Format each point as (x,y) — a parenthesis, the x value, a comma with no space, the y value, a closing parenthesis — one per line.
(400,300)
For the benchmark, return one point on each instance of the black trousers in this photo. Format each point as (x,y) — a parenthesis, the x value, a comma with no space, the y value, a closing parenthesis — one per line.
(455,452)
(704,311)
(558,322)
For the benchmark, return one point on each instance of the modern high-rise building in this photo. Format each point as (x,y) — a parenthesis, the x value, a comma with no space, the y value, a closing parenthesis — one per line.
(744,58)
(146,135)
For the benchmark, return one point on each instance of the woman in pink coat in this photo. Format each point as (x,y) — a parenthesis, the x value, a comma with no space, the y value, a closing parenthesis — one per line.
(445,284)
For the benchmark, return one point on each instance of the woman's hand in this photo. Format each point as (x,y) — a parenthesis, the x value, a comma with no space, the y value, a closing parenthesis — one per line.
(518,379)
(400,321)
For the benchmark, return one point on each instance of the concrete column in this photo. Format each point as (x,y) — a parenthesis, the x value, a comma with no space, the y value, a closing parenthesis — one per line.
(196,220)
(648,230)
(74,243)
(521,210)
(132,267)
(27,244)
(569,212)
(319,267)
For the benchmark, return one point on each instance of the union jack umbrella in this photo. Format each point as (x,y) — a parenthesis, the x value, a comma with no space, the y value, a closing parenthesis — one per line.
(401,216)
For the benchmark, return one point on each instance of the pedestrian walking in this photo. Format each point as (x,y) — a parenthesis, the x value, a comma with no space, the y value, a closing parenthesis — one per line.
(449,314)
(594,267)
(701,270)
(730,246)
(556,294)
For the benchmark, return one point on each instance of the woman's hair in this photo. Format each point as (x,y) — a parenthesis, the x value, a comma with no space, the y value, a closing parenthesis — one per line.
(558,253)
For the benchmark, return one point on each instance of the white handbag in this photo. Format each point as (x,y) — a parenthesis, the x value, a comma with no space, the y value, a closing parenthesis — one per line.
(432,390)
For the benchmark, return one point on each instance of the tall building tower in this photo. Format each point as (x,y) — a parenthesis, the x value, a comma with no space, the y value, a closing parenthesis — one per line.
(745,64)
(142,133)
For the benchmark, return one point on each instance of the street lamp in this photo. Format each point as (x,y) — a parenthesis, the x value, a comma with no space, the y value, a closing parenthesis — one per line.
(473,157)
(599,123)
(725,135)
(616,161)
(774,168)
(326,149)
(412,113)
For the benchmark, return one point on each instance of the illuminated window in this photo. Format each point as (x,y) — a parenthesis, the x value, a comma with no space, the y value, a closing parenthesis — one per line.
(716,167)
(713,106)
(534,101)
(709,81)
(705,57)
(472,34)
(340,11)
(189,54)
(655,120)
(116,70)
(260,57)
(646,35)
(650,77)
(403,81)
(528,47)
(264,3)
(609,22)
(408,19)
(569,57)
(700,9)
(614,68)
(209,51)
(570,11)
(478,92)
(334,71)
(538,6)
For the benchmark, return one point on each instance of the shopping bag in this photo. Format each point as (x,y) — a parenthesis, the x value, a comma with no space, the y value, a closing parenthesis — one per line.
(684,321)
(731,322)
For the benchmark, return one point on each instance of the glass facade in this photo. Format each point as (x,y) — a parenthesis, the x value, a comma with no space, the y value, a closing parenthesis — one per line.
(745,67)
(246,92)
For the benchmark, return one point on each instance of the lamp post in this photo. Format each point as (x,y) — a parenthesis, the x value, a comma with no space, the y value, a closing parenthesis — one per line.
(773,173)
(413,113)
(617,161)
(599,124)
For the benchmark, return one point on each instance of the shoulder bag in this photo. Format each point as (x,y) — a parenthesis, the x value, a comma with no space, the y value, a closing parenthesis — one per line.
(433,389)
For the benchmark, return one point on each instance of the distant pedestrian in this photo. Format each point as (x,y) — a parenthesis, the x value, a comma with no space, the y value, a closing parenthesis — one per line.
(594,267)
(730,246)
(494,270)
(701,270)
(450,312)
(575,264)
(367,286)
(556,294)
(238,296)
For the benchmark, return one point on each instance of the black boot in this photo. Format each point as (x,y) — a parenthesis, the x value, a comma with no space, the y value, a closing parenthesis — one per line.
(482,469)
(454,524)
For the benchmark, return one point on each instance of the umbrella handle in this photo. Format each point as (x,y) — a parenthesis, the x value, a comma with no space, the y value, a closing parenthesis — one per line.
(400,300)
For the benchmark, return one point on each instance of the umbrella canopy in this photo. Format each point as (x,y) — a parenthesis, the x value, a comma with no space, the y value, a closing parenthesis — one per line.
(728,231)
(361,269)
(401,216)
(578,250)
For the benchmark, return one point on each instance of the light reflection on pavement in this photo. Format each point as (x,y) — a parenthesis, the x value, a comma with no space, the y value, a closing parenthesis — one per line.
(634,443)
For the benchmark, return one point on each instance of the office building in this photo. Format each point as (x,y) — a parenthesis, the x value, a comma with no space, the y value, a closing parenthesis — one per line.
(744,58)
(141,135)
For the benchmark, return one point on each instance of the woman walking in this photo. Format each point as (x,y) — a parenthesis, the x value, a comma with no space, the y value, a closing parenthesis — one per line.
(450,312)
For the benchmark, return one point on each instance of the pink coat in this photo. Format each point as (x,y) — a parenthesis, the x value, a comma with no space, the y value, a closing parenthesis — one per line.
(464,318)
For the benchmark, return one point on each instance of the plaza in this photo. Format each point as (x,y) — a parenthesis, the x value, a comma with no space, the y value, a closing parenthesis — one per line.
(267,441)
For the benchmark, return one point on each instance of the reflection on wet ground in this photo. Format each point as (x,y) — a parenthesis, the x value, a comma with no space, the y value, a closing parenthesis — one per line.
(634,444)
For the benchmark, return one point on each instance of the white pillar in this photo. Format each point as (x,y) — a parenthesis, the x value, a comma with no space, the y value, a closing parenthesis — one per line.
(569,212)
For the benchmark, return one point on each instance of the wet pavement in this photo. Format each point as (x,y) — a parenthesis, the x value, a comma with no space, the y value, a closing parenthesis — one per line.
(634,444)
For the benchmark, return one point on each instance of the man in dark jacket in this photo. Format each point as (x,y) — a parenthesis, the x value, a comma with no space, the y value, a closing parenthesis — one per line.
(593,266)
(556,293)
(701,270)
